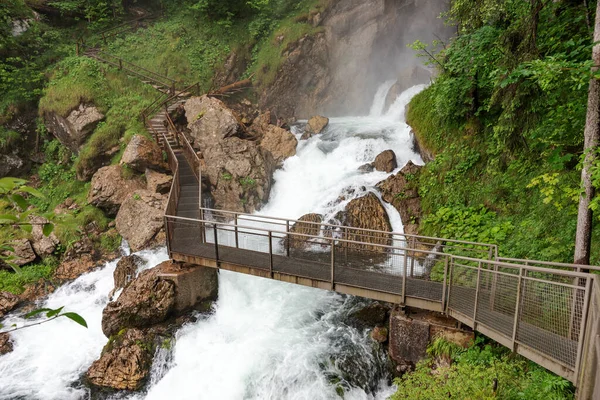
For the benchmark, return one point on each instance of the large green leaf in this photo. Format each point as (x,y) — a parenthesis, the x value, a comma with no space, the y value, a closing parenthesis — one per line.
(75,317)
(32,191)
(54,313)
(47,229)
(33,313)
(8,184)
(8,219)
(20,201)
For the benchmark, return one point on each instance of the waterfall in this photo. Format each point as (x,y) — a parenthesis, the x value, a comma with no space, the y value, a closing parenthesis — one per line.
(264,339)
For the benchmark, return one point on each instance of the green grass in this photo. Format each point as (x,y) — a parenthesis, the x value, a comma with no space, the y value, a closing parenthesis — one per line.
(16,282)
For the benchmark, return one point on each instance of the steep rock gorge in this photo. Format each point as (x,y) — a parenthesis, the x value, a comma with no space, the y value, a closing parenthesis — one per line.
(362,42)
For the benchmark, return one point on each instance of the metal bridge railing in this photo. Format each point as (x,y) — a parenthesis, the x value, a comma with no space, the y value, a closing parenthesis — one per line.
(538,312)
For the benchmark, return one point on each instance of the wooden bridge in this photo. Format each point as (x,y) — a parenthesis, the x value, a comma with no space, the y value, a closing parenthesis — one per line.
(547,312)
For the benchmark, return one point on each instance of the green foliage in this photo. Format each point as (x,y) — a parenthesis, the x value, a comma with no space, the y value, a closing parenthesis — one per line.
(505,120)
(475,373)
(51,314)
(15,282)
(247,182)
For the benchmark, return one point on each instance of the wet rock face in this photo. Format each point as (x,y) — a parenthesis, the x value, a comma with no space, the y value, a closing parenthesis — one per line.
(109,189)
(140,218)
(125,361)
(142,153)
(239,171)
(367,212)
(6,345)
(126,269)
(369,316)
(333,70)
(8,301)
(314,126)
(401,191)
(386,161)
(308,224)
(146,301)
(74,130)
(79,259)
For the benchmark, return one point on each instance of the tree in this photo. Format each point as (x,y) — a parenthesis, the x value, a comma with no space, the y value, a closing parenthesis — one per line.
(583,237)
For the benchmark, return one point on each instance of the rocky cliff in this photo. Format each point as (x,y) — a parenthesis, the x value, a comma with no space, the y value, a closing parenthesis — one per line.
(358,41)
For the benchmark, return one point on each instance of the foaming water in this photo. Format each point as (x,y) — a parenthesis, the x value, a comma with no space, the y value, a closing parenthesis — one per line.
(264,339)
(49,359)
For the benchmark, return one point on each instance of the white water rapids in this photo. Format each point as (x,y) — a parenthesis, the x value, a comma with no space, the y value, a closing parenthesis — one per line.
(264,339)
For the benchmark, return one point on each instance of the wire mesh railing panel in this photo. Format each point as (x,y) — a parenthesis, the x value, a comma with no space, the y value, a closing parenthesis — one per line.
(550,318)
(497,300)
(463,284)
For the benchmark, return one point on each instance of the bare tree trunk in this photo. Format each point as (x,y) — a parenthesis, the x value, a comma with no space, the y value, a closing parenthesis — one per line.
(583,238)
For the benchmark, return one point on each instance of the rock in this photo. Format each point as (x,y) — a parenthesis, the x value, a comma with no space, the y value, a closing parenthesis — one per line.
(369,316)
(73,268)
(125,272)
(385,161)
(125,361)
(459,337)
(210,120)
(140,218)
(36,290)
(279,142)
(11,165)
(379,334)
(157,182)
(409,339)
(146,301)
(196,287)
(23,252)
(109,189)
(367,212)
(73,130)
(407,78)
(87,168)
(309,224)
(42,245)
(6,345)
(366,168)
(239,171)
(401,191)
(8,302)
(142,153)
(314,126)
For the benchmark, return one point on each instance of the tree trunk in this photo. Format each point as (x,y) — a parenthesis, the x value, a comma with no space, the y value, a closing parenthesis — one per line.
(583,238)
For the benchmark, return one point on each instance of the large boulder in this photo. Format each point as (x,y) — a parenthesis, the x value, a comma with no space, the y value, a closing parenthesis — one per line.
(8,302)
(109,189)
(386,161)
(142,153)
(280,142)
(309,224)
(125,271)
(23,252)
(73,130)
(42,245)
(157,182)
(125,361)
(209,119)
(6,345)
(140,218)
(401,191)
(146,301)
(367,212)
(314,126)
